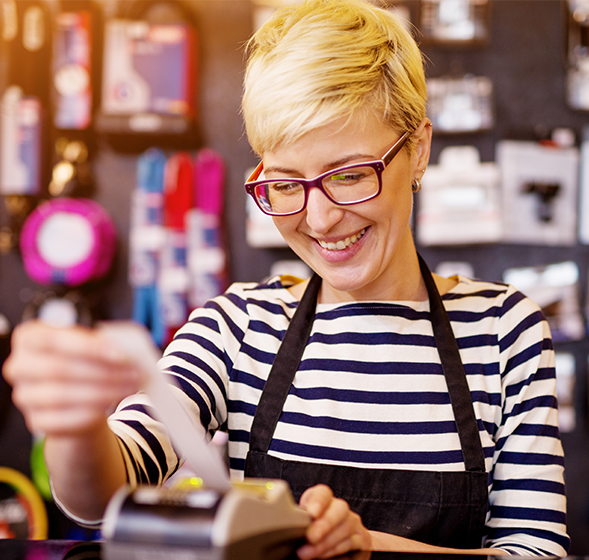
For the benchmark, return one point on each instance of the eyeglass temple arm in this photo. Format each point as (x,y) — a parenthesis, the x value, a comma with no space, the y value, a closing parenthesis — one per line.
(387,158)
(256,172)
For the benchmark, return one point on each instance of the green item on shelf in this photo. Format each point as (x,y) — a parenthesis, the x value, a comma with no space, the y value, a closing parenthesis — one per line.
(39,472)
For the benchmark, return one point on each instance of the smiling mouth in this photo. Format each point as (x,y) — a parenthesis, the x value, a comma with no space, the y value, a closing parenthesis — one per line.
(342,243)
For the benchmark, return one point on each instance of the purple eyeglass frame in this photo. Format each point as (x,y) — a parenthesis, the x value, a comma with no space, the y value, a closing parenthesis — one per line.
(378,165)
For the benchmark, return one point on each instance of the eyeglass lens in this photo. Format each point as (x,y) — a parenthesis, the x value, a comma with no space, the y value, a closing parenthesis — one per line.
(347,186)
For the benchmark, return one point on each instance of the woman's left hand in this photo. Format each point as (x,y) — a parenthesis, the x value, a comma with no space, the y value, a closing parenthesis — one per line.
(335,529)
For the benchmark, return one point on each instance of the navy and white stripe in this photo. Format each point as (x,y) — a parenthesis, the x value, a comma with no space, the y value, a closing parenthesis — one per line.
(370,392)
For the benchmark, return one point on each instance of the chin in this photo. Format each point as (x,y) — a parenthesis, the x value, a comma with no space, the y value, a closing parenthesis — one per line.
(343,281)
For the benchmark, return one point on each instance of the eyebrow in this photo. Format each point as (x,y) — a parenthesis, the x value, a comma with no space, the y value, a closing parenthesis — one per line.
(333,165)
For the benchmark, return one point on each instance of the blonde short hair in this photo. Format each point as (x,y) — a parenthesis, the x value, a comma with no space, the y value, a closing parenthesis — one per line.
(314,62)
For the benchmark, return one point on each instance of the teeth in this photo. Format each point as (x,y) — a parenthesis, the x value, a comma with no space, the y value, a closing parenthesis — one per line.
(342,244)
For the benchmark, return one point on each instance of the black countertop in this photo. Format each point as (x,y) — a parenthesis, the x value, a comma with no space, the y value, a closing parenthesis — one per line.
(11,549)
(75,550)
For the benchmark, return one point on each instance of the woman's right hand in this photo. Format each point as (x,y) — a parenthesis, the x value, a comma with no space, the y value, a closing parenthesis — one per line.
(66,380)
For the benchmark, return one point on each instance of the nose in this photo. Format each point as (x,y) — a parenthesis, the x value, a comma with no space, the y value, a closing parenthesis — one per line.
(321,213)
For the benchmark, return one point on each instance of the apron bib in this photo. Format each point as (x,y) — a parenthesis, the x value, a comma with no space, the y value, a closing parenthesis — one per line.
(440,508)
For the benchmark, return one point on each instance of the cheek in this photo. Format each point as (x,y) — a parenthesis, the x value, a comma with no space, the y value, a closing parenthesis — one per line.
(396,202)
(288,225)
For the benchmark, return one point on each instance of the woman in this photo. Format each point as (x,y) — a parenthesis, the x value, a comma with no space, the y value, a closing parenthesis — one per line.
(408,412)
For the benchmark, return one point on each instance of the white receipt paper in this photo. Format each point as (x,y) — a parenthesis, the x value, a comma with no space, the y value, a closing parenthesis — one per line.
(188,439)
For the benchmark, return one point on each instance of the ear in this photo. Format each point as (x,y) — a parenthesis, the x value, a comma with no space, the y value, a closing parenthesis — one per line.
(422,147)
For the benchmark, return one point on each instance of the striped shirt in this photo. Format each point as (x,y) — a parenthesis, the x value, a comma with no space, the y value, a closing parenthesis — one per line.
(370,393)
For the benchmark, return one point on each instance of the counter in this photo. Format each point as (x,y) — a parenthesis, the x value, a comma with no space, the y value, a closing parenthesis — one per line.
(74,550)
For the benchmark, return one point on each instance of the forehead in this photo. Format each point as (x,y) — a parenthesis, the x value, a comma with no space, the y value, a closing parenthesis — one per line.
(333,144)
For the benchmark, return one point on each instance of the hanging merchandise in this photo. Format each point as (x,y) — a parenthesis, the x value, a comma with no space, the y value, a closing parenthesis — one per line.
(456,22)
(60,307)
(207,255)
(555,288)
(8,20)
(584,190)
(30,51)
(68,241)
(17,207)
(173,268)
(72,70)
(459,203)
(539,191)
(146,241)
(22,512)
(20,161)
(71,175)
(26,28)
(578,54)
(460,105)
(39,472)
(21,136)
(24,101)
(148,82)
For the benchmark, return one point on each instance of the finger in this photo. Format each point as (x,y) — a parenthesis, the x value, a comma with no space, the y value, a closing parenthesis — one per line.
(337,544)
(344,537)
(42,368)
(353,542)
(316,500)
(63,394)
(338,531)
(332,517)
(76,341)
(32,396)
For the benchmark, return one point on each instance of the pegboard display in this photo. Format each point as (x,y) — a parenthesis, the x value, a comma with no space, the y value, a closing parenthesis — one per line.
(523,55)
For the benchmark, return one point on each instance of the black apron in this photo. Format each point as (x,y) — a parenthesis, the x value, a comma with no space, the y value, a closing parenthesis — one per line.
(440,508)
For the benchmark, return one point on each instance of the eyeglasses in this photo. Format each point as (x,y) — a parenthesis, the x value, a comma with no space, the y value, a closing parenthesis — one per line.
(350,184)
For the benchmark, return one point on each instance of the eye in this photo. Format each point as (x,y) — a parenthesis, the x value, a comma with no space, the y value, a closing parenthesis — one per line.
(285,187)
(349,177)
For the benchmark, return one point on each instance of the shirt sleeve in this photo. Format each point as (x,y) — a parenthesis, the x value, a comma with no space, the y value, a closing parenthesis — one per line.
(198,362)
(527,513)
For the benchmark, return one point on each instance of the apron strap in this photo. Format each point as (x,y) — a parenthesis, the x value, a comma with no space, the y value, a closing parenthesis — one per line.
(460,396)
(286,363)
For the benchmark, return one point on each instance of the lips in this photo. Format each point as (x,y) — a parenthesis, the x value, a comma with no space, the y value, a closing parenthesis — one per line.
(342,243)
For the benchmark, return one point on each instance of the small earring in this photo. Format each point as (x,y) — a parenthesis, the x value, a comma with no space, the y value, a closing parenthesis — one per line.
(416,185)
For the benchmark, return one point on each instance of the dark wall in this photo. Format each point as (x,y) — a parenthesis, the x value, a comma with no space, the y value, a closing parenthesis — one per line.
(525,58)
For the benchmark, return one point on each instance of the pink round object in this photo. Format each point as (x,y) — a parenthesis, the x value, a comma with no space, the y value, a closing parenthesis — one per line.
(68,241)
